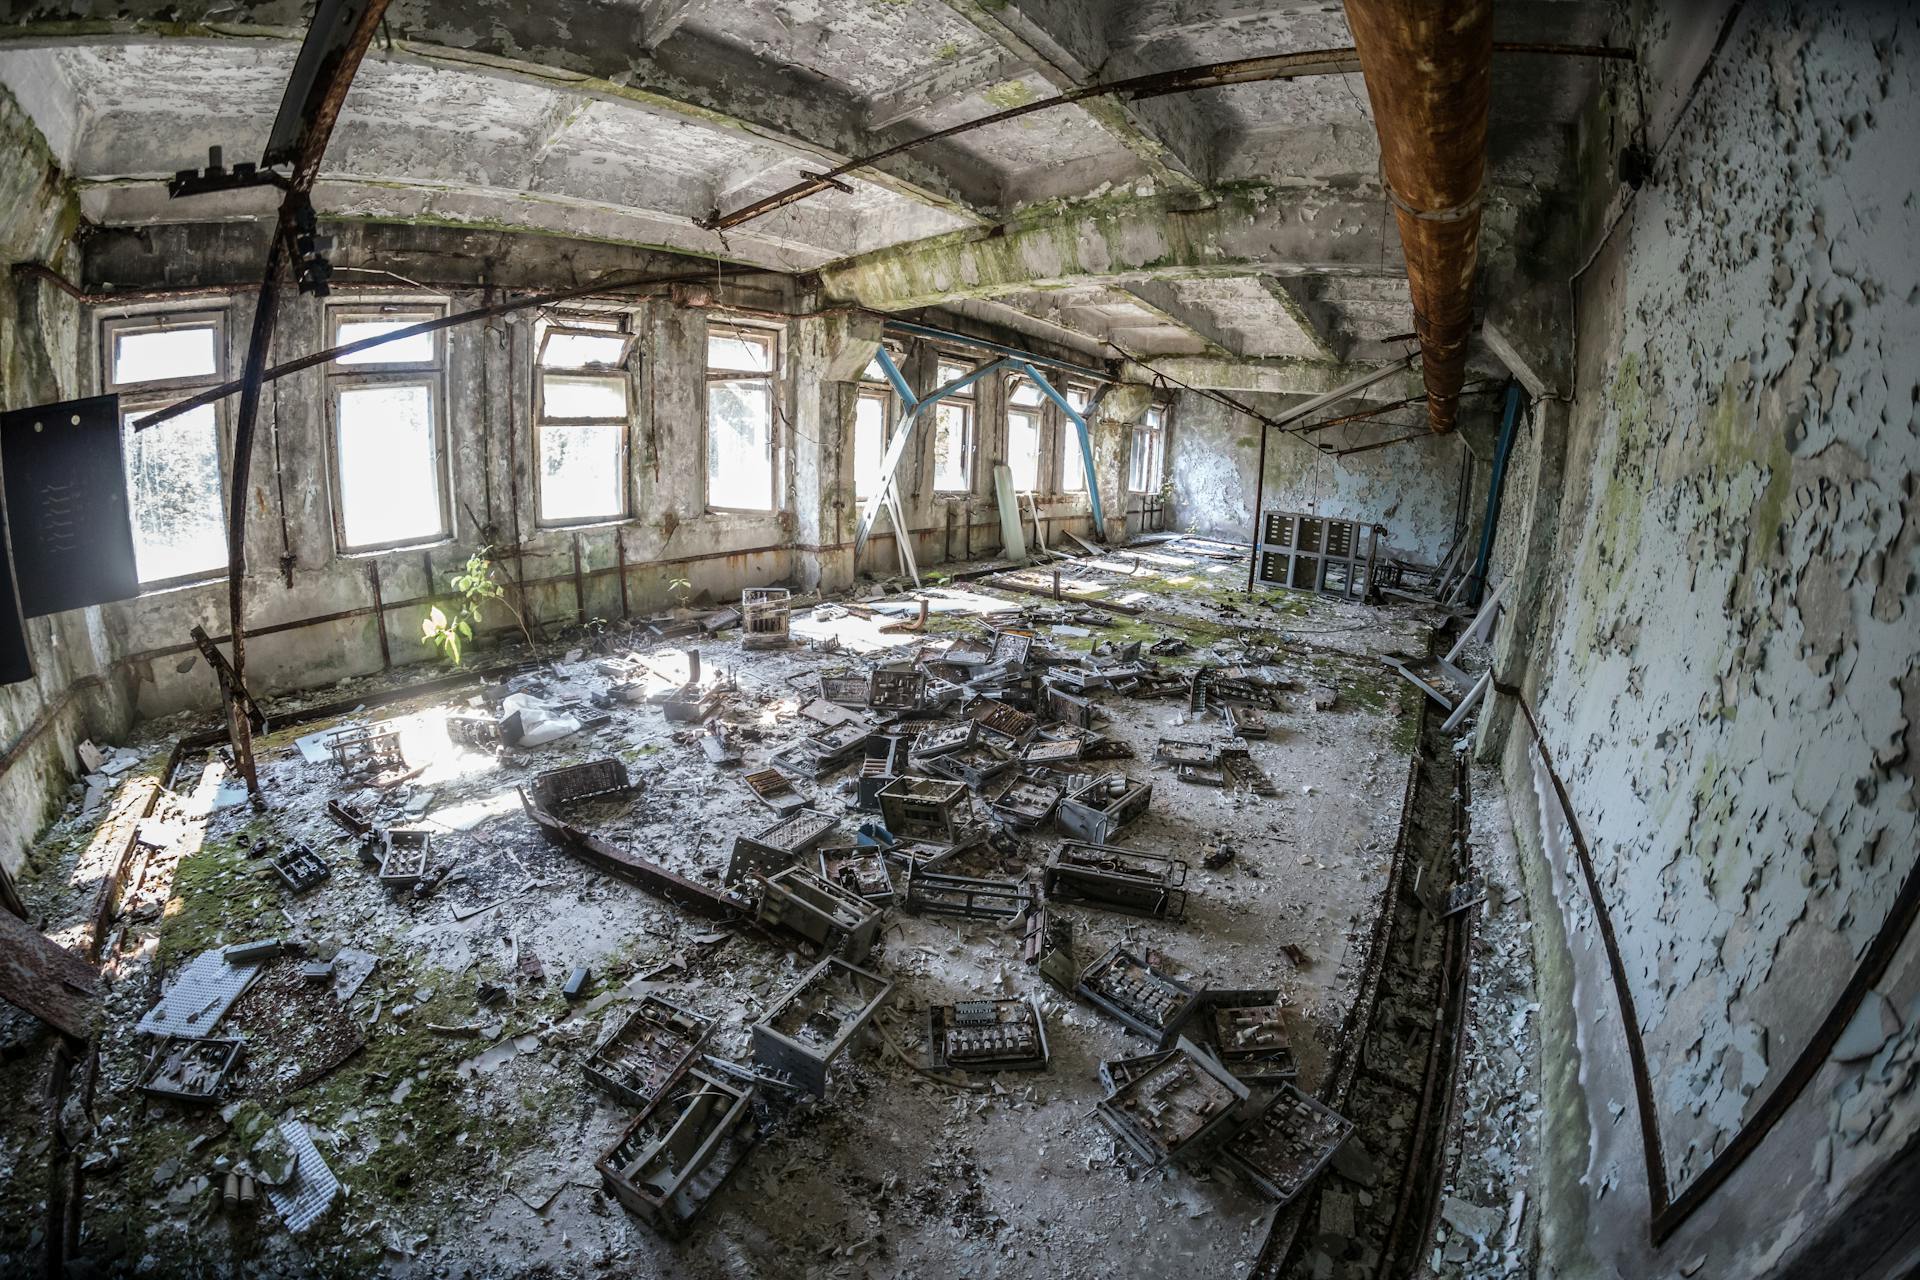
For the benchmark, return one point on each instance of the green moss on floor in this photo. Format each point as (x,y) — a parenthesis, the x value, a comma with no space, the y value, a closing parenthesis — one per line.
(211,904)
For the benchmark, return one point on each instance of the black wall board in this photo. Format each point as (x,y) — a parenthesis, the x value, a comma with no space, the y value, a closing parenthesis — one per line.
(67,514)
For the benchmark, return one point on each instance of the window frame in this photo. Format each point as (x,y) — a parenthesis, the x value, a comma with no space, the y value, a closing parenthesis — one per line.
(1037,414)
(775,383)
(1157,430)
(585,326)
(968,402)
(137,398)
(883,395)
(1068,457)
(395,373)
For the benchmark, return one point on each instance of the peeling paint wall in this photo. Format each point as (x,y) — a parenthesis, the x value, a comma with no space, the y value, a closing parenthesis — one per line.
(1413,489)
(42,719)
(1723,650)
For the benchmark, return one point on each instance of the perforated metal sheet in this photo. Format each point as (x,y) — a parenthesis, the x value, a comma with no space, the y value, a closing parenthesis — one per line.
(199,996)
(311,1189)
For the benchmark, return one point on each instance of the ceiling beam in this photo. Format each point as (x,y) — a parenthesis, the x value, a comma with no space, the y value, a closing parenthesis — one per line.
(1277,374)
(1164,300)
(946,84)
(1282,230)
(1029,41)
(704,82)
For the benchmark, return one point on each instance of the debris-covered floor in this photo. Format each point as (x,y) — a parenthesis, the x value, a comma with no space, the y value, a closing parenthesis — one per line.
(427,1023)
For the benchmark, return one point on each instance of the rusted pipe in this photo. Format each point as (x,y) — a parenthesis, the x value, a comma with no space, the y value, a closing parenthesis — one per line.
(1429,67)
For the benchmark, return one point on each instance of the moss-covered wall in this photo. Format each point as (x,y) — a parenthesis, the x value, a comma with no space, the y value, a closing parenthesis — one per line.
(41,719)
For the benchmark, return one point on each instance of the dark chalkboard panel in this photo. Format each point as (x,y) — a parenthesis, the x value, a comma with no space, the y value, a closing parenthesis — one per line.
(67,514)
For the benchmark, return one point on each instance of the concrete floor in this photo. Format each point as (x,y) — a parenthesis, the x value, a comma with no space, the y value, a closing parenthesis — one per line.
(471,1152)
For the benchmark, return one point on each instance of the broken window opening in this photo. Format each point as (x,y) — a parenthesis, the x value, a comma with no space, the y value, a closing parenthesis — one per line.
(583,405)
(953,424)
(1148,455)
(1073,465)
(387,451)
(175,488)
(1024,416)
(741,378)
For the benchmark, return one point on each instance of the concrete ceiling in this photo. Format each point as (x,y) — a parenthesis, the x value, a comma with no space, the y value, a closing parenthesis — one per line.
(629,120)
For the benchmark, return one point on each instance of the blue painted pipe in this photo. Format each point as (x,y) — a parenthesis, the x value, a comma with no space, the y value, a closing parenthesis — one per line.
(1509,419)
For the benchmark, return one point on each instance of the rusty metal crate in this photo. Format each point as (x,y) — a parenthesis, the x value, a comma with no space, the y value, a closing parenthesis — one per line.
(191,1069)
(1286,1146)
(1126,987)
(916,808)
(987,1035)
(648,1052)
(1174,1105)
(1129,880)
(815,1022)
(569,784)
(671,1161)
(408,858)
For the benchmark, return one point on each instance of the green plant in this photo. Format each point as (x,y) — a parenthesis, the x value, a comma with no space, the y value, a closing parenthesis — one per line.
(681,589)
(474,585)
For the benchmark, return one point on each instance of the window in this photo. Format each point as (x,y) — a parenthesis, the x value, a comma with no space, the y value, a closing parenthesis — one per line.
(953,433)
(583,410)
(869,442)
(387,458)
(1024,404)
(1149,451)
(1073,463)
(740,399)
(174,469)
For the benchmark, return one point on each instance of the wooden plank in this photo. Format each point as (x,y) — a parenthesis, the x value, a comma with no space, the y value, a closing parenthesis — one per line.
(45,979)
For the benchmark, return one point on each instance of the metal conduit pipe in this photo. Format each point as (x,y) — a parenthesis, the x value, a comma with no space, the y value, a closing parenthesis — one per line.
(1428,67)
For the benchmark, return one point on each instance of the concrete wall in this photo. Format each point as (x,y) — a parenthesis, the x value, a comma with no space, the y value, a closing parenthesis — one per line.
(489,378)
(1717,625)
(1414,489)
(43,718)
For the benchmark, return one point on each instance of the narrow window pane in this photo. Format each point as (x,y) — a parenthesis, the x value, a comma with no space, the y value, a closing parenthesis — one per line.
(869,445)
(1023,449)
(415,350)
(167,353)
(580,473)
(739,352)
(389,484)
(739,445)
(575,396)
(874,372)
(1137,462)
(1025,393)
(952,373)
(1073,463)
(950,446)
(173,480)
(574,351)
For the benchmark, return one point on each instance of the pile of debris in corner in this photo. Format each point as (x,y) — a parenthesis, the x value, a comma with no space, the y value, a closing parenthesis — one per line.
(923,785)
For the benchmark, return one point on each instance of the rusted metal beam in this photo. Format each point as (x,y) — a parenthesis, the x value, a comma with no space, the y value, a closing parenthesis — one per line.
(1429,72)
(329,60)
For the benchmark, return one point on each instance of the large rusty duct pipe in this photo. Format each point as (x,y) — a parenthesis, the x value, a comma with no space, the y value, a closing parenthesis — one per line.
(1428,67)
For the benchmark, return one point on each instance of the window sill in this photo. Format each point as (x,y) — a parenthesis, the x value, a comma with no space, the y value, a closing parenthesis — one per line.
(743,511)
(385,548)
(584,522)
(166,586)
